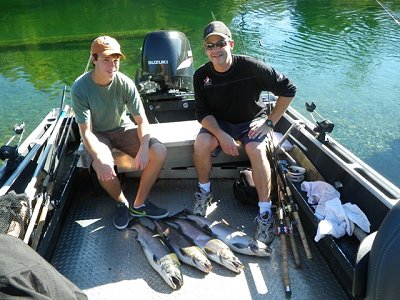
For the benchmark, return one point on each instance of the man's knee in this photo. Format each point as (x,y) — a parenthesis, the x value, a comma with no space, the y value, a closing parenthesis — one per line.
(159,150)
(205,143)
(256,150)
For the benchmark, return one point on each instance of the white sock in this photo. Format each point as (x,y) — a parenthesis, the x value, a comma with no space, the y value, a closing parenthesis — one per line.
(139,206)
(265,206)
(125,202)
(205,186)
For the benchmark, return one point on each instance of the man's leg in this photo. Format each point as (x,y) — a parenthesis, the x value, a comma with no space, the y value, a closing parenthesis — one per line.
(262,180)
(140,206)
(260,168)
(113,188)
(157,155)
(204,145)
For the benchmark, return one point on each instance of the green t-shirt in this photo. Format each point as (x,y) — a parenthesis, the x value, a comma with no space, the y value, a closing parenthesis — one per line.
(106,105)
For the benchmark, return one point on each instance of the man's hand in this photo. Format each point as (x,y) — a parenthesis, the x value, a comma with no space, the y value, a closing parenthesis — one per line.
(141,160)
(104,166)
(258,129)
(228,144)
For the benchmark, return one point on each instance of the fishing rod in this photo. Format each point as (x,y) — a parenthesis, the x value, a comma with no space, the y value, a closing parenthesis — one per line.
(288,220)
(31,190)
(293,209)
(282,229)
(49,181)
(287,210)
(31,154)
(283,183)
(388,12)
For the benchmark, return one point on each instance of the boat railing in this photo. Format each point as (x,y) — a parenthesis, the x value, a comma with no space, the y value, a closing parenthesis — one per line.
(374,182)
(35,141)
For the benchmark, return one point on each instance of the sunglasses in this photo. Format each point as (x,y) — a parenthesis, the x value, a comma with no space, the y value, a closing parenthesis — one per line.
(219,44)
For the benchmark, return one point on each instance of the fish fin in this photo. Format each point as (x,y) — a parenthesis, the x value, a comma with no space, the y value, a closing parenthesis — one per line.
(207,229)
(170,222)
(184,212)
(166,232)
(183,252)
(155,259)
(132,222)
(208,250)
(225,222)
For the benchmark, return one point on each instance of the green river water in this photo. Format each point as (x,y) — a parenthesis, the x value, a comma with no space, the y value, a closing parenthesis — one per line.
(343,55)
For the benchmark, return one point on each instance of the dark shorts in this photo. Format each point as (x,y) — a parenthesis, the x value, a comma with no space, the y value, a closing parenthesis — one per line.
(125,140)
(237,131)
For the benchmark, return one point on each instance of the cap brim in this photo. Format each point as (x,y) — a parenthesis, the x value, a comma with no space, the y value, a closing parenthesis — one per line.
(217,33)
(111,52)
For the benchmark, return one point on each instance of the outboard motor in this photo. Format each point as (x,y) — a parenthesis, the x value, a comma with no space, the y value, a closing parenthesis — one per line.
(167,59)
(165,83)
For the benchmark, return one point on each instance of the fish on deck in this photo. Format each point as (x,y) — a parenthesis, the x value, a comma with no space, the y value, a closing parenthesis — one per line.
(237,240)
(160,257)
(186,251)
(215,249)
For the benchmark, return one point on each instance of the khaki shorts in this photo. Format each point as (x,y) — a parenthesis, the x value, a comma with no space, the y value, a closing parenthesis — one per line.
(125,140)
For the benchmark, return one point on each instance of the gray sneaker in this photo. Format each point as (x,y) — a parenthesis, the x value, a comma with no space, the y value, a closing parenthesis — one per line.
(121,220)
(265,228)
(149,210)
(202,201)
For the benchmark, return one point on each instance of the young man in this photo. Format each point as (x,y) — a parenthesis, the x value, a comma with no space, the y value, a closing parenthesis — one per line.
(100,99)
(227,91)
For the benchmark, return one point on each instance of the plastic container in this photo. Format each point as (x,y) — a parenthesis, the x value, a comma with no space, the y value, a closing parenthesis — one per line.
(296,174)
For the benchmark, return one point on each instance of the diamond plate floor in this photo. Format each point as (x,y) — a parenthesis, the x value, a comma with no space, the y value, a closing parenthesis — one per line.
(110,264)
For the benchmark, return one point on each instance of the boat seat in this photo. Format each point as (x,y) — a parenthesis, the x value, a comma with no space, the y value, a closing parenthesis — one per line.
(377,267)
(178,137)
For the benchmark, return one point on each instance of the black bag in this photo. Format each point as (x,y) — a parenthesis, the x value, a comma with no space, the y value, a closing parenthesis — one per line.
(24,274)
(244,188)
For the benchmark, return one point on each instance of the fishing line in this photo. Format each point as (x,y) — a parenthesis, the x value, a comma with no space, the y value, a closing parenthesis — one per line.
(240,32)
(241,25)
(213,16)
(88,63)
(389,13)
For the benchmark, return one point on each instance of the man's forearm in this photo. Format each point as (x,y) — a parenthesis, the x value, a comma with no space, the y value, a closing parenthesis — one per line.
(211,124)
(282,103)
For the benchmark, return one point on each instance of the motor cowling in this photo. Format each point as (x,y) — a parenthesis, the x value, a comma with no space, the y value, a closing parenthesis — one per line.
(167,60)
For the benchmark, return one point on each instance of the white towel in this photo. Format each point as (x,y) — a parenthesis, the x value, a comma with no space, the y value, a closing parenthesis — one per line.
(337,219)
(357,216)
(319,191)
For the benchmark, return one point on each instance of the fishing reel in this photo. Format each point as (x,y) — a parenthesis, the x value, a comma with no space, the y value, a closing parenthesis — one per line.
(11,153)
(322,127)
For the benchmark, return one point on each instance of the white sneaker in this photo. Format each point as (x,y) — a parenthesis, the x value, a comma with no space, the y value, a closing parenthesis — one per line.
(265,228)
(202,201)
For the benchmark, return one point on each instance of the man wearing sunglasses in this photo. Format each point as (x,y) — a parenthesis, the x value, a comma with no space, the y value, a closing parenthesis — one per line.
(227,92)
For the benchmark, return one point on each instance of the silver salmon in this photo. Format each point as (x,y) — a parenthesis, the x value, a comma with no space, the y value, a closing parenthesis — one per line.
(160,257)
(215,249)
(237,240)
(186,251)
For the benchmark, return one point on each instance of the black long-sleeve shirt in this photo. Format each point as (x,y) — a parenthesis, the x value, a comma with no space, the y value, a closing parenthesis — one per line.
(233,96)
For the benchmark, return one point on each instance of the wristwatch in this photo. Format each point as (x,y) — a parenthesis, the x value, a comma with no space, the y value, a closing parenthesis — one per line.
(269,123)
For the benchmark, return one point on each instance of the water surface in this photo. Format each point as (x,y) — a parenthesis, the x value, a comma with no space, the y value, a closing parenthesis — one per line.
(343,55)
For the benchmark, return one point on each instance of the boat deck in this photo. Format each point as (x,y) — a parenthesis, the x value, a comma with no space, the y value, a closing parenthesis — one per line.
(110,264)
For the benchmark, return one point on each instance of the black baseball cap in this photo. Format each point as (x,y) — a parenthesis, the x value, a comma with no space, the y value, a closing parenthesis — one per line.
(217,28)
